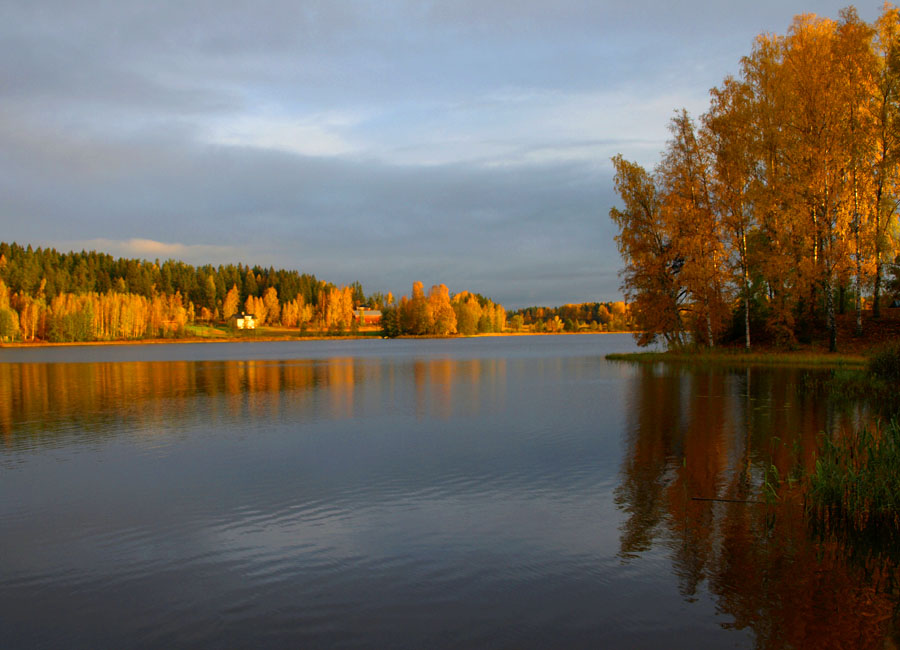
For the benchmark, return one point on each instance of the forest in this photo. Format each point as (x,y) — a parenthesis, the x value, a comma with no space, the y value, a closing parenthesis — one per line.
(777,209)
(46,295)
(588,316)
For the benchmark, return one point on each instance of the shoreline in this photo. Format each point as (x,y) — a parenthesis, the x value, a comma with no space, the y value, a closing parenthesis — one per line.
(743,358)
(272,339)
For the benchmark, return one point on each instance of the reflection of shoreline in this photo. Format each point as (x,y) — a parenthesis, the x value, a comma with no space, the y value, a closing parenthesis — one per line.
(740,359)
(42,399)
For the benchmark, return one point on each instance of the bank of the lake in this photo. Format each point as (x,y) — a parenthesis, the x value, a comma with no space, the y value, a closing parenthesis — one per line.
(278,335)
(804,358)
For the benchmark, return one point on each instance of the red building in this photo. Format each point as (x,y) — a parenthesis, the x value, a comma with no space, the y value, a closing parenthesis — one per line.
(365,316)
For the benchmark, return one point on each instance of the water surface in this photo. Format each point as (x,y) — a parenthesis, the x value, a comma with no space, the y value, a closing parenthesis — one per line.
(491,492)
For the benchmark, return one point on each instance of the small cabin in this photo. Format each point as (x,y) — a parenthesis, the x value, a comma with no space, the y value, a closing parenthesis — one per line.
(365,316)
(243,321)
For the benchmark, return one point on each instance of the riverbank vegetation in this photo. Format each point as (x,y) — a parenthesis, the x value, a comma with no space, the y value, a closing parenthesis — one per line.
(856,482)
(777,211)
(854,487)
(48,296)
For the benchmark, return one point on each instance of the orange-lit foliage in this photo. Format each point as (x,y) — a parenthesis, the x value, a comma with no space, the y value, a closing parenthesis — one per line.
(646,241)
(785,195)
(231,302)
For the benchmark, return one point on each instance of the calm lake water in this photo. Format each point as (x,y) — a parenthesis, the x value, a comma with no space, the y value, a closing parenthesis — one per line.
(516,492)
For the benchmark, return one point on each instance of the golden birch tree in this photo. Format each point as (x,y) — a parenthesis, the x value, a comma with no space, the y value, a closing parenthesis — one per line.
(650,279)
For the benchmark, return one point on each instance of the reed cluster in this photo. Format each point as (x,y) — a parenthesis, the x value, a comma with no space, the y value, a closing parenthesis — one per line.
(856,481)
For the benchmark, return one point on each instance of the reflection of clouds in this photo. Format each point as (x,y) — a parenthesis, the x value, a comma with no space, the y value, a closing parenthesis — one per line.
(549,524)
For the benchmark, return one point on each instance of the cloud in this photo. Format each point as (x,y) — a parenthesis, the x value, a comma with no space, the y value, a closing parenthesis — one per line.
(494,230)
(150,249)
(313,135)
(460,142)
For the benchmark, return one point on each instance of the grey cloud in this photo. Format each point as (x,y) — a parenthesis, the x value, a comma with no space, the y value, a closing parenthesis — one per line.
(342,219)
(107,108)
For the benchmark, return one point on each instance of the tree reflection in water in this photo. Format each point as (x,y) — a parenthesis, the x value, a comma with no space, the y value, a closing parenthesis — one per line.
(701,445)
(40,402)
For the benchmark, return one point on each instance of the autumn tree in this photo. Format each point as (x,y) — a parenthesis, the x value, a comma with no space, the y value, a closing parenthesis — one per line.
(416,315)
(692,225)
(231,302)
(468,313)
(9,318)
(443,317)
(338,309)
(271,306)
(257,307)
(785,197)
(883,197)
(292,312)
(652,264)
(728,135)
(855,73)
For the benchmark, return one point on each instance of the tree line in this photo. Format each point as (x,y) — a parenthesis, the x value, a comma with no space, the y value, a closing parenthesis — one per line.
(780,205)
(590,316)
(89,296)
(84,296)
(437,314)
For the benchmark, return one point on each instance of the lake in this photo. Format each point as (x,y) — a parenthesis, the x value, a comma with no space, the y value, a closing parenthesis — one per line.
(507,492)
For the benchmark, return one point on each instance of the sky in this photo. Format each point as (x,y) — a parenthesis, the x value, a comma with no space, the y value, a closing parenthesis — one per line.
(464,142)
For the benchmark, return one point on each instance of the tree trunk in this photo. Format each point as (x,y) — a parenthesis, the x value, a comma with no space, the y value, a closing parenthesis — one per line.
(859,327)
(746,277)
(746,323)
(876,306)
(830,317)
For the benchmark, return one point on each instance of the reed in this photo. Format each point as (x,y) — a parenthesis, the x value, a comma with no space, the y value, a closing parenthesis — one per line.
(856,481)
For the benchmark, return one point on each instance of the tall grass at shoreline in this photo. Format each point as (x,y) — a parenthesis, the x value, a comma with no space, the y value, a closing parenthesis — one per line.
(855,486)
(856,481)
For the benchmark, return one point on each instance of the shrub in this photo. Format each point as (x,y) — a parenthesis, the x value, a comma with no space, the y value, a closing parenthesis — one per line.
(885,364)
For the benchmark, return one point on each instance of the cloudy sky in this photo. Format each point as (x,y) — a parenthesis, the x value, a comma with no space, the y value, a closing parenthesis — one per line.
(457,141)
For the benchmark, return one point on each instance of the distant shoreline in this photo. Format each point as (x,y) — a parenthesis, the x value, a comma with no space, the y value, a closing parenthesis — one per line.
(273,339)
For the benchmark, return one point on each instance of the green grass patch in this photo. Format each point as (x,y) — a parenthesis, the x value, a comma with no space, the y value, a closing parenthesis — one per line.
(206,331)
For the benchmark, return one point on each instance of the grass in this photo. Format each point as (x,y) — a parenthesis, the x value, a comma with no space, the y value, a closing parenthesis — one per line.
(741,357)
(855,485)
(205,331)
